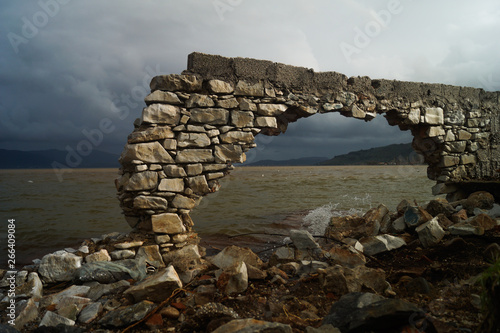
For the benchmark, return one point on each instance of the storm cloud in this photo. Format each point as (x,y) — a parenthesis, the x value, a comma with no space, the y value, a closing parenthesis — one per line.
(67,65)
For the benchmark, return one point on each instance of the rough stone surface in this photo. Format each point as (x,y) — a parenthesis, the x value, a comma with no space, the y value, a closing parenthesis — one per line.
(156,288)
(430,233)
(252,326)
(127,315)
(59,266)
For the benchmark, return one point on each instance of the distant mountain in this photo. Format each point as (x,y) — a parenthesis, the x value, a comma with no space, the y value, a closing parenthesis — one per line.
(392,154)
(303,161)
(43,159)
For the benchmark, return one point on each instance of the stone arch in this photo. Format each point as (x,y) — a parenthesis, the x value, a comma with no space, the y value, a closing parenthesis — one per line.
(197,124)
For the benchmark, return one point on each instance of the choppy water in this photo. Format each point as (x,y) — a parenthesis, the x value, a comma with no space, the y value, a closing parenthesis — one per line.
(51,215)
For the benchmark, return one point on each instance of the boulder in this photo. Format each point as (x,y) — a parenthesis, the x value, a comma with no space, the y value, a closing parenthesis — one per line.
(305,243)
(157,287)
(430,233)
(233,279)
(481,199)
(151,255)
(59,266)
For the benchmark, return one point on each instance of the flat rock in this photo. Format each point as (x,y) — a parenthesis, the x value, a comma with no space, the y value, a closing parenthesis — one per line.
(74,290)
(52,319)
(464,229)
(90,313)
(99,290)
(157,287)
(127,315)
(111,271)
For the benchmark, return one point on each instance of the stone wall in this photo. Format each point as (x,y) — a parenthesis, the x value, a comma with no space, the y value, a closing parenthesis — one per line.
(197,124)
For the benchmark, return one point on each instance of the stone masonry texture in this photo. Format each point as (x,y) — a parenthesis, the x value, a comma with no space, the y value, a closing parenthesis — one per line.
(195,125)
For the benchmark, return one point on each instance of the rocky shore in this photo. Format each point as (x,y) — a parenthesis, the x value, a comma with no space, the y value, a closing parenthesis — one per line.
(411,270)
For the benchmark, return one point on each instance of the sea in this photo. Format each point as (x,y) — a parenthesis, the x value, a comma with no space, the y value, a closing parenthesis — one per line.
(255,207)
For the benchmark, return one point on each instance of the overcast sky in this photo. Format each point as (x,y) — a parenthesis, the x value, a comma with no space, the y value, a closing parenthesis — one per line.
(67,65)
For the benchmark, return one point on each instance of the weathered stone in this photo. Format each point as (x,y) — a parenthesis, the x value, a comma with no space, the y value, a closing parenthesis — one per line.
(167,223)
(242,118)
(151,152)
(174,171)
(346,98)
(164,97)
(197,100)
(464,229)
(464,135)
(151,255)
(54,299)
(52,319)
(377,244)
(161,114)
(347,256)
(434,116)
(440,206)
(198,184)
(228,153)
(247,105)
(147,202)
(305,243)
(194,156)
(356,112)
(480,199)
(414,116)
(90,313)
(170,144)
(467,159)
(233,279)
(142,181)
(271,109)
(193,140)
(122,254)
(212,116)
(151,134)
(233,254)
(456,146)
(181,201)
(175,82)
(59,266)
(483,221)
(194,169)
(183,258)
(244,88)
(99,290)
(127,315)
(101,255)
(254,326)
(434,131)
(230,103)
(170,185)
(266,122)
(237,137)
(220,87)
(157,287)
(25,314)
(373,219)
(430,233)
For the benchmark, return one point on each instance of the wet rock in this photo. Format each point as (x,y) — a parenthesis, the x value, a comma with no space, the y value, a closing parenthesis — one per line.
(111,271)
(90,313)
(52,319)
(157,287)
(254,326)
(234,254)
(373,219)
(127,315)
(26,313)
(233,279)
(483,221)
(465,229)
(480,199)
(305,243)
(430,233)
(59,266)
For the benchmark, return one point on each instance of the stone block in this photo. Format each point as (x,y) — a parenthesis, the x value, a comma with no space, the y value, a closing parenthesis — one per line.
(194,169)
(434,116)
(194,156)
(175,82)
(220,87)
(148,202)
(185,140)
(228,153)
(271,109)
(212,116)
(151,152)
(467,159)
(198,184)
(151,134)
(244,88)
(164,97)
(181,201)
(174,171)
(167,223)
(270,122)
(142,181)
(161,114)
(230,103)
(237,137)
(170,185)
(242,118)
(198,100)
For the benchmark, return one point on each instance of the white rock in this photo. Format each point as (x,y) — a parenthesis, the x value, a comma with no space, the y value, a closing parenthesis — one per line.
(59,266)
(52,319)
(430,233)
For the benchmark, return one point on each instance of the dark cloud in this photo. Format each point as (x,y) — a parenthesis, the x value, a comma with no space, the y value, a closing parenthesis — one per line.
(67,65)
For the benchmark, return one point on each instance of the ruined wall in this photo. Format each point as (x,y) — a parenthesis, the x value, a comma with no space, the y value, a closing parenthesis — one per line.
(197,124)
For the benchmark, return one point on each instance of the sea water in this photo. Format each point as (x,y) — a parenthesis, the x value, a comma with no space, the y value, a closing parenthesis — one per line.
(52,215)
